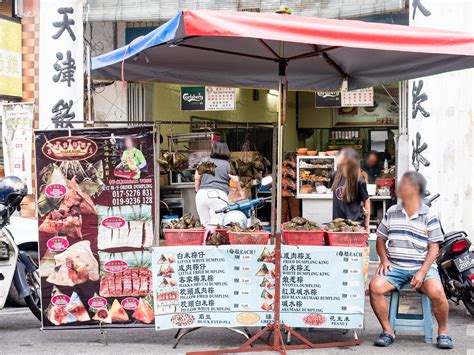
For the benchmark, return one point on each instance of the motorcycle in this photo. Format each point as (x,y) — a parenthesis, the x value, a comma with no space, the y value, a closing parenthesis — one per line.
(456,266)
(16,266)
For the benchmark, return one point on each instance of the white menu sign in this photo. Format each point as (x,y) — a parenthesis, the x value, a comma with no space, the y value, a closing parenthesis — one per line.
(61,63)
(361,97)
(322,287)
(219,98)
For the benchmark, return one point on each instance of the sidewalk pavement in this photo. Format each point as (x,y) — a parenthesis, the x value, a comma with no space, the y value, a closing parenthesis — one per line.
(19,333)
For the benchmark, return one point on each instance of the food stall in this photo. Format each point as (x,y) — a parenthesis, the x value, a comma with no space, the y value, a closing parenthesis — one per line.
(191,34)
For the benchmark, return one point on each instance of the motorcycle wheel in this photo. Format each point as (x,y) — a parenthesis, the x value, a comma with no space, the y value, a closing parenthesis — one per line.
(33,301)
(13,298)
(469,303)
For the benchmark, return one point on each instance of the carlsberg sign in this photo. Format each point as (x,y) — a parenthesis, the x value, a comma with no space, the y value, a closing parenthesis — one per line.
(207,98)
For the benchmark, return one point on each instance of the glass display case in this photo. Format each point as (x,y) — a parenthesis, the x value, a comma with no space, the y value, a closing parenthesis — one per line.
(313,176)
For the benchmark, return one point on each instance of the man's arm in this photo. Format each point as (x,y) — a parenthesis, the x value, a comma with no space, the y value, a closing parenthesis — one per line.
(197,181)
(367,213)
(384,266)
(382,237)
(419,277)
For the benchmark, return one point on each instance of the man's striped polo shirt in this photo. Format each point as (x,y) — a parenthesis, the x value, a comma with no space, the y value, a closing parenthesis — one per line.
(408,237)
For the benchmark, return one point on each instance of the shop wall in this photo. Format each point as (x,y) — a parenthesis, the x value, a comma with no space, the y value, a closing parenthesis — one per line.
(310,116)
(448,130)
(166,107)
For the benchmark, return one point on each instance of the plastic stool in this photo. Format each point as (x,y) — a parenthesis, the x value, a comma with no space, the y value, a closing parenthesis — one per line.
(410,321)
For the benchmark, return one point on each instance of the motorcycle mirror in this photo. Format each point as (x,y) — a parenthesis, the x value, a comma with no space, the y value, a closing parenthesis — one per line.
(212,194)
(267,180)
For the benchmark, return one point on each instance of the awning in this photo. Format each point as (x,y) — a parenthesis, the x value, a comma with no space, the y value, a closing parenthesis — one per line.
(241,49)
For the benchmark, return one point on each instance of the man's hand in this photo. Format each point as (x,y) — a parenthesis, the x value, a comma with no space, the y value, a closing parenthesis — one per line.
(417,280)
(384,268)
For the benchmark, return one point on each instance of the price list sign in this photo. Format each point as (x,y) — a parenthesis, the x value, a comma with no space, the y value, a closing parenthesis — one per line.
(219,98)
(361,97)
(206,286)
(322,287)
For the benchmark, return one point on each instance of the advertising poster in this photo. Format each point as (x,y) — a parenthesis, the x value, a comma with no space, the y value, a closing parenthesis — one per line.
(17,136)
(322,287)
(95,201)
(228,286)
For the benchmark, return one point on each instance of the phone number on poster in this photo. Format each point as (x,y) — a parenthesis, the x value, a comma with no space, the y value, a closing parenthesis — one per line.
(120,201)
(131,193)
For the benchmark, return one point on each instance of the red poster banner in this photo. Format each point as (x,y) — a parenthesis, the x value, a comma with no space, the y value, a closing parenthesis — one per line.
(95,196)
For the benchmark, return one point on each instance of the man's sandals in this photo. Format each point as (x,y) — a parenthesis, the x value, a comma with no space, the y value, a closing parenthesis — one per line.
(442,341)
(384,340)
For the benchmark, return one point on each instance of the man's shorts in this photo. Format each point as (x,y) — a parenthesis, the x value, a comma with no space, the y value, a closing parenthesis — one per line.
(399,277)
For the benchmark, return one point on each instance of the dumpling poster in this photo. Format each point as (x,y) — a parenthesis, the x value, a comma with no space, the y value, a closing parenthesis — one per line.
(96,208)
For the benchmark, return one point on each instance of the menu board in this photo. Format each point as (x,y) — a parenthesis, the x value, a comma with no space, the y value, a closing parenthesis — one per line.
(205,286)
(322,287)
(95,201)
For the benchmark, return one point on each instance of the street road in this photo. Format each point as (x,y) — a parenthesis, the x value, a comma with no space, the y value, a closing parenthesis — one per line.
(20,333)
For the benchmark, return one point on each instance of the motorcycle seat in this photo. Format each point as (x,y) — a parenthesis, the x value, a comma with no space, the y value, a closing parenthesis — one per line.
(452,235)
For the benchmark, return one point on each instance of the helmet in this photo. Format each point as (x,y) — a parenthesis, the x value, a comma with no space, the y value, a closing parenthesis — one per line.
(12,190)
(236,217)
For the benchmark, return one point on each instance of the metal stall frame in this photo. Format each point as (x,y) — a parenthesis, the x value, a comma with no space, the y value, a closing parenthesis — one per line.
(157,151)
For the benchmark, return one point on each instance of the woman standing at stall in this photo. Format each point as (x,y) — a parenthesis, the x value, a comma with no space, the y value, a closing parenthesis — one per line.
(350,196)
(217,183)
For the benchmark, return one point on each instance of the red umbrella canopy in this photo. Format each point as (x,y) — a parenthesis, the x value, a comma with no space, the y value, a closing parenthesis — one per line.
(242,49)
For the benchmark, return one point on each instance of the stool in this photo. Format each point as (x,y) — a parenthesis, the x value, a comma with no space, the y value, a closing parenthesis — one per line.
(409,321)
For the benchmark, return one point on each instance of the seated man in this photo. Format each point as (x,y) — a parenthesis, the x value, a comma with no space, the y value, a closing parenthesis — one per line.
(371,167)
(413,236)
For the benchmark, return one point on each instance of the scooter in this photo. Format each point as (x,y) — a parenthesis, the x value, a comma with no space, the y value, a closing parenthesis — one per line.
(242,212)
(16,266)
(456,266)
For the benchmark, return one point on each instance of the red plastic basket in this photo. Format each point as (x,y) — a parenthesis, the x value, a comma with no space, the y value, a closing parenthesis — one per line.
(184,236)
(303,237)
(347,239)
(260,237)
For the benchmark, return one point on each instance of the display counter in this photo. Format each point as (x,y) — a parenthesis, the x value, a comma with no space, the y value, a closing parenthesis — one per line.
(313,187)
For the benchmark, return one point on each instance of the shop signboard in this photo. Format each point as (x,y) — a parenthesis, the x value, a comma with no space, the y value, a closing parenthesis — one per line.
(10,58)
(328,99)
(322,287)
(344,98)
(61,80)
(95,197)
(17,136)
(207,98)
(229,286)
(234,285)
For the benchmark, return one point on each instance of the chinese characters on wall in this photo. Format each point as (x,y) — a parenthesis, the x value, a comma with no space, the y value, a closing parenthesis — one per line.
(61,64)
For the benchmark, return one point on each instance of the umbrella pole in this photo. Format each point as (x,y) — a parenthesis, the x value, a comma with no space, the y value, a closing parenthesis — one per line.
(276,327)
